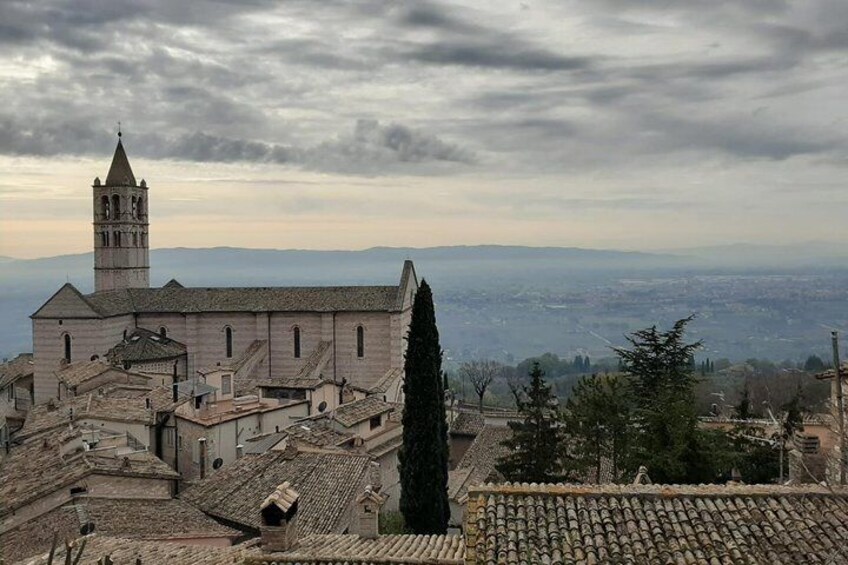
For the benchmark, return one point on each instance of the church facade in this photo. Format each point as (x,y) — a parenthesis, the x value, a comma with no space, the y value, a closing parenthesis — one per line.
(286,338)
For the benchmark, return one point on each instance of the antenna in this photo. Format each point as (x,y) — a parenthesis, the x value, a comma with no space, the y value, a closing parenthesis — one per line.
(119,128)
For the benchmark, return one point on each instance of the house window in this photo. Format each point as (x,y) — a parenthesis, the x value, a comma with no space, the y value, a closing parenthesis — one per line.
(163,331)
(228,341)
(227,384)
(169,437)
(360,341)
(10,390)
(376,421)
(296,338)
(67,339)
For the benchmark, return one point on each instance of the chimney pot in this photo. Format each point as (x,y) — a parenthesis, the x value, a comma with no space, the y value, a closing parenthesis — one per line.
(279,519)
(366,521)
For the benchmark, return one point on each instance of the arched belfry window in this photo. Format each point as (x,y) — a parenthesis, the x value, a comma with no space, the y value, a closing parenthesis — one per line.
(134,207)
(117,239)
(139,206)
(67,340)
(360,341)
(296,340)
(105,208)
(104,239)
(228,341)
(116,206)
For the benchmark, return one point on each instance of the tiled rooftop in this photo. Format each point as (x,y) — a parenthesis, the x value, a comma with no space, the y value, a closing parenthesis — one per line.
(358,411)
(250,299)
(512,524)
(15,369)
(327,483)
(467,424)
(58,459)
(145,345)
(112,404)
(478,463)
(151,519)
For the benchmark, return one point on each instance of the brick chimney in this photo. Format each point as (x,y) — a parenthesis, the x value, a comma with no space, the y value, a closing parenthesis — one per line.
(366,517)
(279,519)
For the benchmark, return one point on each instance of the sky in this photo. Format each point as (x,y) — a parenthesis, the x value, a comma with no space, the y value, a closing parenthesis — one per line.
(627,124)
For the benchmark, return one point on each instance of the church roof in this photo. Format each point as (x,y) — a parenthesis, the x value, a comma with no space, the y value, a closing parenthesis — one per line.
(145,345)
(120,173)
(252,299)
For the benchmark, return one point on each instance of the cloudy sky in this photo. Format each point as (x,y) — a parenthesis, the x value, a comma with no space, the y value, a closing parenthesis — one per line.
(632,124)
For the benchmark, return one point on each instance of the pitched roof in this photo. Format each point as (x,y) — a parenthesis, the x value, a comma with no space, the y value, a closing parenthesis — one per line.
(144,345)
(309,433)
(354,550)
(327,483)
(99,406)
(151,519)
(358,411)
(16,369)
(80,372)
(247,299)
(40,467)
(512,524)
(467,424)
(120,173)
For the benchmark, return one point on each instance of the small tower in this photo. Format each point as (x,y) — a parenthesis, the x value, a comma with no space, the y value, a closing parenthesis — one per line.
(121,253)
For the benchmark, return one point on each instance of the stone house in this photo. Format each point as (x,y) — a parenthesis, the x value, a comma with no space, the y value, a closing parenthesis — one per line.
(15,396)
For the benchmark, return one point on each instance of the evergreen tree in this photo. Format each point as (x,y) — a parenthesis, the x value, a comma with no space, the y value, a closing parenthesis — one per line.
(744,410)
(598,418)
(423,457)
(535,447)
(660,370)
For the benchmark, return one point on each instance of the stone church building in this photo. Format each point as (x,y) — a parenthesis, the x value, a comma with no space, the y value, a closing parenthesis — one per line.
(288,339)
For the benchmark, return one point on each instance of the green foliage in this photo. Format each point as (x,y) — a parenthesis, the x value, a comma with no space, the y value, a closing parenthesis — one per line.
(814,364)
(423,457)
(757,460)
(744,410)
(598,419)
(392,523)
(535,446)
(793,419)
(660,370)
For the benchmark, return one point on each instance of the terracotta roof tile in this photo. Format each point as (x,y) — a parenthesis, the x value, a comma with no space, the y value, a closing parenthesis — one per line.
(467,424)
(514,524)
(14,370)
(358,411)
(327,483)
(144,345)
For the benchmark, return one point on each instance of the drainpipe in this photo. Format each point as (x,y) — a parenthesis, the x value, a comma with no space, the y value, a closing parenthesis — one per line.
(202,442)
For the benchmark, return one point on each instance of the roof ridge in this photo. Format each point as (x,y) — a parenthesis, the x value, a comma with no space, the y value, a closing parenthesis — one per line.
(660,490)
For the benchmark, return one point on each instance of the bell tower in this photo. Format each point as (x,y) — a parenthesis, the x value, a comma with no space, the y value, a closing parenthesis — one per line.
(121,253)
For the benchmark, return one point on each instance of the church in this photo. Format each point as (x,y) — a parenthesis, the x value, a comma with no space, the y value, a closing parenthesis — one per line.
(282,342)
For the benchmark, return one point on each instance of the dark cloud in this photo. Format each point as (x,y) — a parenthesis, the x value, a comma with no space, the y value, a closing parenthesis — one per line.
(495,55)
(371,148)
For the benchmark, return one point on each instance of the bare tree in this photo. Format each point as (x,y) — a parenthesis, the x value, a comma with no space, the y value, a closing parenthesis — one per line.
(481,373)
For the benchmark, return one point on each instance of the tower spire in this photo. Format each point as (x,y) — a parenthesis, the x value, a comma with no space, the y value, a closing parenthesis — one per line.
(120,173)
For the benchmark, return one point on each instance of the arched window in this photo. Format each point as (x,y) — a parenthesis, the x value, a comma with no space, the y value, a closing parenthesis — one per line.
(163,331)
(104,239)
(105,208)
(139,206)
(135,239)
(228,339)
(296,338)
(134,207)
(67,339)
(360,341)
(116,206)
(117,239)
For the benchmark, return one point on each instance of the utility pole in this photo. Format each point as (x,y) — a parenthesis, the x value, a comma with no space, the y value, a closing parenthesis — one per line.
(837,377)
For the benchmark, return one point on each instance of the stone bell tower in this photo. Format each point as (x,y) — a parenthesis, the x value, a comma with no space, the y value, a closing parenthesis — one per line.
(121,253)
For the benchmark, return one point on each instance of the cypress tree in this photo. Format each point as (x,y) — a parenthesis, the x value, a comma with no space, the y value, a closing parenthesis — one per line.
(423,457)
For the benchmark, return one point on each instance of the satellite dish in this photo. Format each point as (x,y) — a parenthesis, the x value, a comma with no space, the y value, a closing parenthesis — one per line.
(322,406)
(216,464)
(87,528)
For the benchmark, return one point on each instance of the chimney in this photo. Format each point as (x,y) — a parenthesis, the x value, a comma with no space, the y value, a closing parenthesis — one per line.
(239,451)
(279,519)
(642,477)
(176,392)
(366,519)
(202,442)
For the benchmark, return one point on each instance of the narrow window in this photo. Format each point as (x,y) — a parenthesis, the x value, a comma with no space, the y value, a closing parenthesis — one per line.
(116,206)
(163,331)
(104,239)
(68,348)
(296,337)
(117,239)
(376,422)
(135,239)
(139,205)
(227,384)
(105,209)
(360,341)
(134,207)
(228,338)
